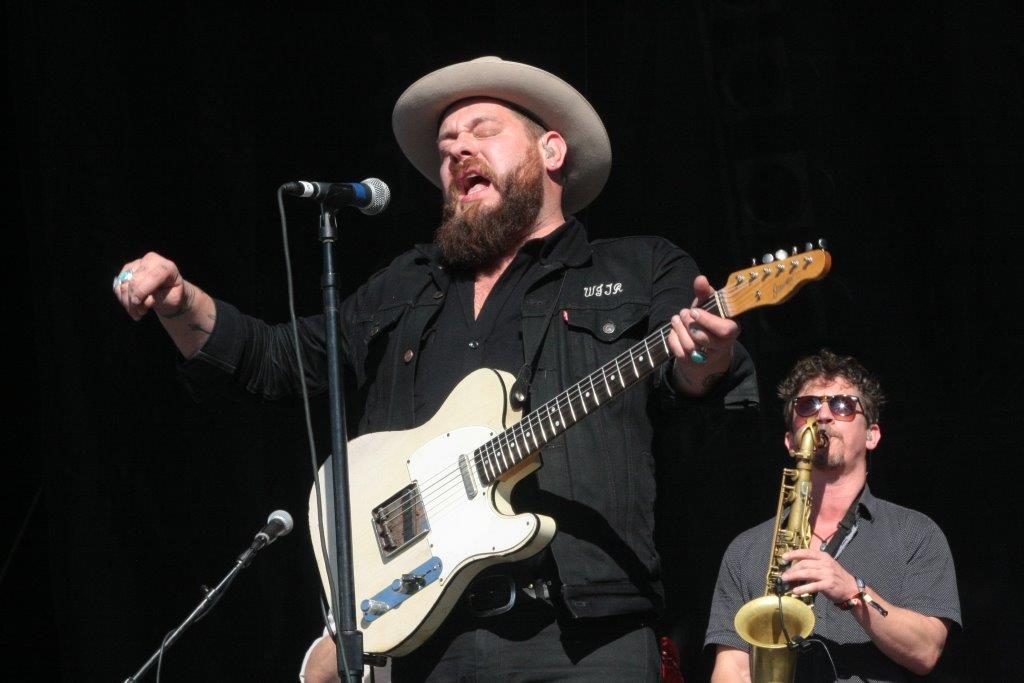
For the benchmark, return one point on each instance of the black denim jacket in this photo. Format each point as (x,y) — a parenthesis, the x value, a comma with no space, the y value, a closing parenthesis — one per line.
(598,479)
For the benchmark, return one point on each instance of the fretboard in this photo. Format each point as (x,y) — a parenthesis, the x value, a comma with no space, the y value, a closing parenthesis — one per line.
(540,426)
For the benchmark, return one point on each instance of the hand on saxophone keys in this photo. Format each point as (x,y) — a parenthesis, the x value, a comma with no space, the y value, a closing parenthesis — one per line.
(815,571)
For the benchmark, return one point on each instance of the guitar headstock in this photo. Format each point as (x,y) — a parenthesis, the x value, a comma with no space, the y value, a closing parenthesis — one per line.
(778,277)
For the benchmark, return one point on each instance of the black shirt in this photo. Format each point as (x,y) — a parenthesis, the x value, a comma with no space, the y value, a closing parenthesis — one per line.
(455,343)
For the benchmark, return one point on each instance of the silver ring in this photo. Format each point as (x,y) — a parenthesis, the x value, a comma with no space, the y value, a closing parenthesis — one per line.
(124,276)
(698,357)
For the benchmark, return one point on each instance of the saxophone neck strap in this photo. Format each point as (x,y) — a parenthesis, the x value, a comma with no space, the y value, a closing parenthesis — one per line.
(846,530)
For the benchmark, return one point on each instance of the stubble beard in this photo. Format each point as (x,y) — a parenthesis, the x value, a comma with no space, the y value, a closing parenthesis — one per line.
(477,238)
(829,459)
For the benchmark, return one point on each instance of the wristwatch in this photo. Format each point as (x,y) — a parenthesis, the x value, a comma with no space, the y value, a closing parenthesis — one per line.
(861,594)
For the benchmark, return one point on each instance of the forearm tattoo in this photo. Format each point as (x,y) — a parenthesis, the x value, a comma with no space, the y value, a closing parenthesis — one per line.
(196,327)
(187,299)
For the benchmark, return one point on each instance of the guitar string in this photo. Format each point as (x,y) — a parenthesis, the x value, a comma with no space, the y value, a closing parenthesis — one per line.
(489,450)
(449,478)
(526,428)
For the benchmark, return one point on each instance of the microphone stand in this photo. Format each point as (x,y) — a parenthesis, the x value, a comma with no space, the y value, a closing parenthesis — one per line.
(209,600)
(347,639)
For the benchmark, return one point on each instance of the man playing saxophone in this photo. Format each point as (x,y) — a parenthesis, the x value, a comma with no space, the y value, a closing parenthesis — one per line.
(882,574)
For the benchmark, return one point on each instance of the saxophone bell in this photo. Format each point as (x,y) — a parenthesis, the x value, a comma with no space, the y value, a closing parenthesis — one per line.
(777,623)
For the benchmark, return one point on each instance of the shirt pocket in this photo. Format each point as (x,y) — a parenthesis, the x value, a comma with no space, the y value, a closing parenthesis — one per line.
(599,333)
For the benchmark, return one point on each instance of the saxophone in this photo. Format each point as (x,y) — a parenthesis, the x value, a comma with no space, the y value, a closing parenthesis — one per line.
(771,622)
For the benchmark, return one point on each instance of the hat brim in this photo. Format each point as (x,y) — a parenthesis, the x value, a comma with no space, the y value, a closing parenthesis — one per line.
(556,104)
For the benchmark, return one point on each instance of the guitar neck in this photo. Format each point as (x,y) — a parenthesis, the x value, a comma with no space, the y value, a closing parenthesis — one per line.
(774,281)
(508,449)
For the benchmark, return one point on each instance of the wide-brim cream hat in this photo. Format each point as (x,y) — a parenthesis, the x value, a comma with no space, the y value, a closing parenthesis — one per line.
(554,103)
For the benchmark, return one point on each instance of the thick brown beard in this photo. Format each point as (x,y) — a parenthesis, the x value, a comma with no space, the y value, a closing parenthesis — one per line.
(478,238)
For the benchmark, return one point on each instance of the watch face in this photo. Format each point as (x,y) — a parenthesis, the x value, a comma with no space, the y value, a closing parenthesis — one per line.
(860,583)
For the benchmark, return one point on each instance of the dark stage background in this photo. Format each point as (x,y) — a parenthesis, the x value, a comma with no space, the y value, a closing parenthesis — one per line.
(737,127)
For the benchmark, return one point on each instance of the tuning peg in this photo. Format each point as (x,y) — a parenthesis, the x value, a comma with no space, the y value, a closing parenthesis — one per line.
(823,243)
(781,255)
(808,247)
(753,262)
(792,250)
(767,258)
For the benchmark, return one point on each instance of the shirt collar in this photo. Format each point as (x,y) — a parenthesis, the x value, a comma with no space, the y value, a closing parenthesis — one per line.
(867,504)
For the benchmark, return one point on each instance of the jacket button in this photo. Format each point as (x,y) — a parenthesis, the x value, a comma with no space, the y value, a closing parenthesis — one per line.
(438,295)
(474,344)
(608,327)
(407,356)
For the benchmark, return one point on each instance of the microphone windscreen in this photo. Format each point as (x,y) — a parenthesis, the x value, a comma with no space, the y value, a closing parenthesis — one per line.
(380,196)
(285,519)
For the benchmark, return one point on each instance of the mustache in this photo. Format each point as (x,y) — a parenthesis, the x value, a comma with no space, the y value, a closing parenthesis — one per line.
(477,167)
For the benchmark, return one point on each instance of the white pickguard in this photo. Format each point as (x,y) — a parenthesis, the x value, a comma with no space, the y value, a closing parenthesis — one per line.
(461,528)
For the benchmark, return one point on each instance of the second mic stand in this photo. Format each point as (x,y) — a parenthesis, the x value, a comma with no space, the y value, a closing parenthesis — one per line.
(347,639)
(209,600)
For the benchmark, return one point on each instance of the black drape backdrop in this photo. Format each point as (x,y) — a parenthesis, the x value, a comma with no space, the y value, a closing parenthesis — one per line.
(169,128)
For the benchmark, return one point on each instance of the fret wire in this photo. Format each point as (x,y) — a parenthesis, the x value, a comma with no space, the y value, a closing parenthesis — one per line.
(504,450)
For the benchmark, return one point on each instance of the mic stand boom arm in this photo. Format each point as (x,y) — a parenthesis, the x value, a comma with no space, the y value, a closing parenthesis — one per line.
(348,640)
(205,605)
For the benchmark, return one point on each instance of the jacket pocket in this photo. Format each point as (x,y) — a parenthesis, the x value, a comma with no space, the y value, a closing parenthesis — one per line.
(609,324)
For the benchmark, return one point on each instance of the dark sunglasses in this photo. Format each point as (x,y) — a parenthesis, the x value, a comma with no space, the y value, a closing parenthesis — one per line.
(842,406)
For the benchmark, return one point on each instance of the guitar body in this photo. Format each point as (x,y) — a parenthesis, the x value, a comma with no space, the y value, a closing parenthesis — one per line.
(430,506)
(421,530)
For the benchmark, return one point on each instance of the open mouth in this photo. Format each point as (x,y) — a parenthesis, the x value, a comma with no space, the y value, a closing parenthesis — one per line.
(471,184)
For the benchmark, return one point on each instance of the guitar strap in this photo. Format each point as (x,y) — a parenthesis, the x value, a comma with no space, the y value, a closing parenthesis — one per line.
(521,388)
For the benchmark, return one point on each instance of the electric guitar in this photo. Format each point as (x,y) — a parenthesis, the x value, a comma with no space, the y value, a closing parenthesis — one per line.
(430,506)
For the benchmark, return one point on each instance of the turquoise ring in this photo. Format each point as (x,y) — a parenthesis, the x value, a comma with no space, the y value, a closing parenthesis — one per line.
(123,277)
(698,357)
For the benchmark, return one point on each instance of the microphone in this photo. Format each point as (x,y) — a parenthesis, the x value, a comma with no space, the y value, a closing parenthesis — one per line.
(370,196)
(279,523)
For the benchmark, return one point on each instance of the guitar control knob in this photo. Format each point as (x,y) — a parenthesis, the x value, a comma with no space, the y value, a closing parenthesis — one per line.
(374,607)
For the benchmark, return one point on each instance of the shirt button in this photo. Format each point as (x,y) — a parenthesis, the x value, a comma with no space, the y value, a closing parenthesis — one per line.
(474,344)
(407,356)
(608,327)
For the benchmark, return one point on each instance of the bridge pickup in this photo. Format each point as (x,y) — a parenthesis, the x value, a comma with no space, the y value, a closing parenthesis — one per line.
(399,520)
(467,476)
(400,590)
